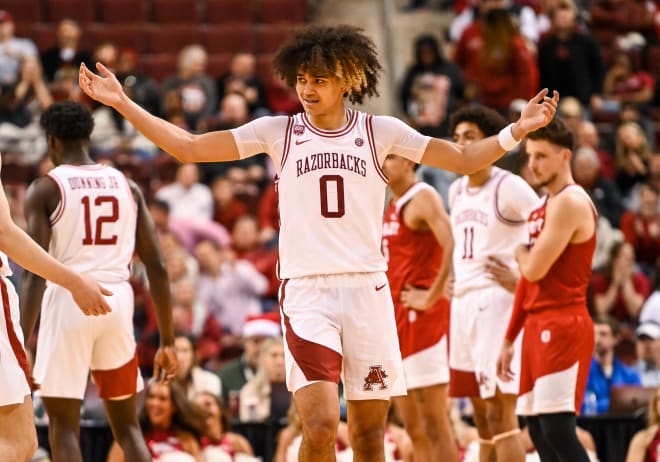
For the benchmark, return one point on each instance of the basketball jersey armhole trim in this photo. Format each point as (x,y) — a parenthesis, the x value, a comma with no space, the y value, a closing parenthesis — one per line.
(496,196)
(59,210)
(287,142)
(372,146)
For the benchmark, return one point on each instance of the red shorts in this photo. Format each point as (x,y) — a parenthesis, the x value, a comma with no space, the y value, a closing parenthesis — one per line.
(558,344)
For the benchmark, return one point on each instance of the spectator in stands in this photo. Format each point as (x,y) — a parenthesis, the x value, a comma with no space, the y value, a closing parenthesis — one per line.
(496,63)
(265,396)
(242,78)
(604,193)
(644,445)
(12,50)
(587,135)
(625,84)
(632,155)
(651,308)
(569,59)
(641,228)
(227,208)
(268,215)
(192,85)
(139,87)
(69,51)
(190,376)
(171,425)
(236,373)
(188,231)
(620,290)
(431,89)
(634,198)
(246,244)
(187,197)
(648,352)
(522,15)
(607,370)
(231,288)
(219,443)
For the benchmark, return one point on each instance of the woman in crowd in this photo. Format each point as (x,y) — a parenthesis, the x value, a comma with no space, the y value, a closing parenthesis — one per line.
(190,377)
(645,445)
(171,425)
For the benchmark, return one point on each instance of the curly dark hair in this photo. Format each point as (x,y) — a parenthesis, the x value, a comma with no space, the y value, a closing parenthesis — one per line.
(67,121)
(343,51)
(556,132)
(489,121)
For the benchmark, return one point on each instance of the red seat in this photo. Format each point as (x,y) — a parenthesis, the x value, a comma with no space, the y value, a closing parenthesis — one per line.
(81,10)
(221,11)
(269,37)
(170,38)
(174,11)
(653,61)
(123,11)
(218,64)
(23,11)
(42,34)
(288,11)
(265,67)
(158,66)
(122,35)
(227,38)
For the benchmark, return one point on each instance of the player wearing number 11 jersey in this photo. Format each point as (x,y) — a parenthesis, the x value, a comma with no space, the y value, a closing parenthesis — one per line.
(93,220)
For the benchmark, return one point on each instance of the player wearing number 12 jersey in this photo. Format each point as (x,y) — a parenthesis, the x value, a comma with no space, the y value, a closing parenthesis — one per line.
(90,218)
(337,312)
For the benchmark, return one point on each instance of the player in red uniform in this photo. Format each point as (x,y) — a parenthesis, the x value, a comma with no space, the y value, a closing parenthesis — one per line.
(417,244)
(550,301)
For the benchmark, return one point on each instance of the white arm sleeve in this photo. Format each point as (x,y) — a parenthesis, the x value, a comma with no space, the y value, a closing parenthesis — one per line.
(516,199)
(392,136)
(265,134)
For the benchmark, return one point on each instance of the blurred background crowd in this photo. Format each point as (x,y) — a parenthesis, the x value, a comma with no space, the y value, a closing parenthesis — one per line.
(205,65)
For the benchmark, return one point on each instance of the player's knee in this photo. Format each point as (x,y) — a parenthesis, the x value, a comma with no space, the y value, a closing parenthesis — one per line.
(367,440)
(320,431)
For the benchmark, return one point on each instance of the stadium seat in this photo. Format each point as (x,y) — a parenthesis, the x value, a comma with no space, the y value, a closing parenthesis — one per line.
(265,67)
(174,11)
(42,34)
(268,37)
(158,66)
(653,61)
(221,11)
(218,64)
(122,35)
(23,11)
(81,10)
(170,38)
(123,11)
(226,38)
(275,11)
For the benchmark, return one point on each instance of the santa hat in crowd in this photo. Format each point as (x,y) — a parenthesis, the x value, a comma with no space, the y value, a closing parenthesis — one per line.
(262,325)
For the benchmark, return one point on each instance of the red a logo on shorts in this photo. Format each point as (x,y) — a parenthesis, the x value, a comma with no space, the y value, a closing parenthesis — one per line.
(375,376)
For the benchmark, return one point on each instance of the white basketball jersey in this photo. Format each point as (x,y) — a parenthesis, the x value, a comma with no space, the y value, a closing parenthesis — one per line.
(94,225)
(480,230)
(332,194)
(5,270)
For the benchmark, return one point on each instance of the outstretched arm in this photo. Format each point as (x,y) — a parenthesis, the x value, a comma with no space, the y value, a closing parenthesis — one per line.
(148,250)
(449,156)
(210,147)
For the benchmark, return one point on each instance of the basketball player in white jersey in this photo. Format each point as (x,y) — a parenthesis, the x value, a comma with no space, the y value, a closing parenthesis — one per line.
(489,209)
(18,439)
(337,314)
(92,219)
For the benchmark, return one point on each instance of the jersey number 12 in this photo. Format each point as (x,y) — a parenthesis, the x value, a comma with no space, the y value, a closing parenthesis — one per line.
(95,237)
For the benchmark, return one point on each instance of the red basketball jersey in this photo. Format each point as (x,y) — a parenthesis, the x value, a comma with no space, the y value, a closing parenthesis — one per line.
(414,258)
(568,278)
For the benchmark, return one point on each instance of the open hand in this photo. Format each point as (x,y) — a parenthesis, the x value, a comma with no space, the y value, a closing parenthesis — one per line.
(104,88)
(89,296)
(499,272)
(538,113)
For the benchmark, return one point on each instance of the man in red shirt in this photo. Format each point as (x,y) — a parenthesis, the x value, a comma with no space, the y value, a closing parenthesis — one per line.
(551,300)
